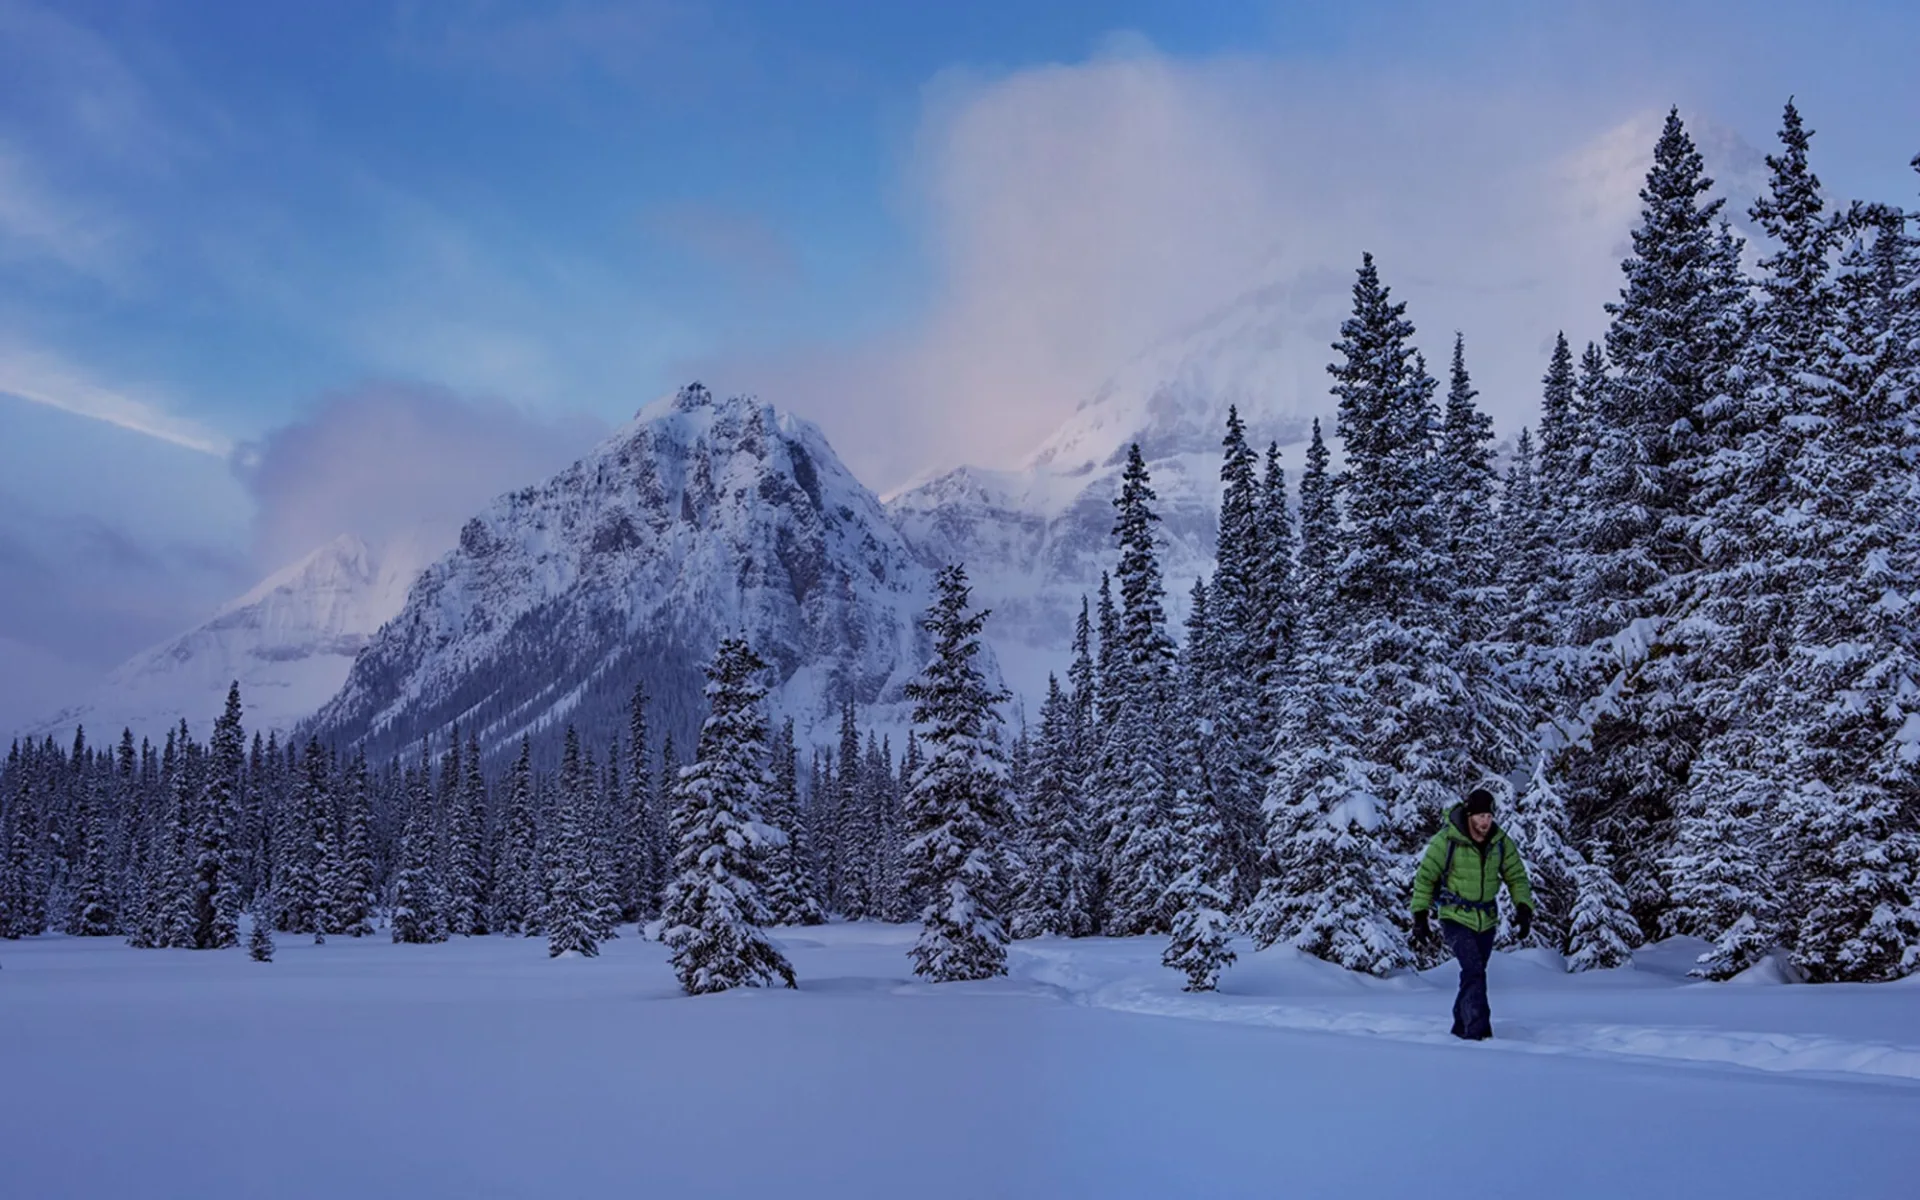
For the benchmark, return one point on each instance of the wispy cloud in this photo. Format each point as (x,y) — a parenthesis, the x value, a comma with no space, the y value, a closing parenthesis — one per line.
(83,92)
(390,459)
(43,378)
(630,41)
(36,222)
(1076,214)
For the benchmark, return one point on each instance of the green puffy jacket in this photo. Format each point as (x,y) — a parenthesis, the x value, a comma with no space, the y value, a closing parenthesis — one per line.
(1466,897)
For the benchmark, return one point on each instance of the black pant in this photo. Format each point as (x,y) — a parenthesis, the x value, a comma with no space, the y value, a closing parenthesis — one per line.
(1471,1016)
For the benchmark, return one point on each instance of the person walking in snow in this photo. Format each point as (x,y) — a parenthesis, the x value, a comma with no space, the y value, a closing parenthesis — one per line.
(1461,873)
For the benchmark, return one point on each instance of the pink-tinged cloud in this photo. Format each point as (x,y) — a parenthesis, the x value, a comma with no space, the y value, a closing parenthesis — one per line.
(388,460)
(1076,214)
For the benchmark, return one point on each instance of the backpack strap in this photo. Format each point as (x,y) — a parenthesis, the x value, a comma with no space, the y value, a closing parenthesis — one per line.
(1442,894)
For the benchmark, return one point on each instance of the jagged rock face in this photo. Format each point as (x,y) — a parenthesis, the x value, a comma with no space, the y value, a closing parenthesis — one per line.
(289,643)
(701,517)
(1036,539)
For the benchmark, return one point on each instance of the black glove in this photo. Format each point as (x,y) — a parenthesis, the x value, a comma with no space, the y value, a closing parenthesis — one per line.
(1422,932)
(1522,921)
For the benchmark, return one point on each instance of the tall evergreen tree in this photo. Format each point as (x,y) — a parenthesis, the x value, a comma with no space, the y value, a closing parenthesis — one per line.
(570,919)
(217,891)
(1604,931)
(644,867)
(260,933)
(172,889)
(92,912)
(1409,699)
(353,888)
(419,902)
(789,896)
(853,856)
(1538,822)
(717,904)
(1658,424)
(1139,849)
(1205,863)
(1467,486)
(958,808)
(518,896)
(1055,890)
(1853,678)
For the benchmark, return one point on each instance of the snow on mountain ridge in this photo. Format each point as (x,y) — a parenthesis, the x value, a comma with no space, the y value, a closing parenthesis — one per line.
(1036,539)
(700,517)
(289,642)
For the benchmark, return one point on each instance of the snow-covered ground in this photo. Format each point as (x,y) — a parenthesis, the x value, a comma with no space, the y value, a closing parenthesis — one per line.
(484,1069)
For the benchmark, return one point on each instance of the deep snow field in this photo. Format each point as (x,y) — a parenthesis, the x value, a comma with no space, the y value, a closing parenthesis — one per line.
(482,1068)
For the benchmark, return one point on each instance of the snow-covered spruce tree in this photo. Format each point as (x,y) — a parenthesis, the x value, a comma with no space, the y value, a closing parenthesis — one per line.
(643,871)
(298,886)
(143,832)
(1539,524)
(92,911)
(1329,881)
(1739,626)
(325,865)
(1204,867)
(1303,712)
(1082,684)
(1252,625)
(260,936)
(601,895)
(717,905)
(1669,345)
(1537,822)
(883,815)
(1408,704)
(1527,557)
(352,888)
(217,890)
(1604,931)
(172,889)
(127,831)
(789,899)
(1852,694)
(1237,556)
(1674,400)
(418,901)
(1467,484)
(1495,717)
(1102,773)
(908,900)
(1274,588)
(464,822)
(570,925)
(888,883)
(451,818)
(1138,751)
(514,891)
(1722,876)
(957,808)
(1201,928)
(856,826)
(1054,893)
(1560,431)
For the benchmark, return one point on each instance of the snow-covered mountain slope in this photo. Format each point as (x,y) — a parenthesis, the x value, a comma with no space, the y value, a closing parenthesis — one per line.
(1036,538)
(701,517)
(289,642)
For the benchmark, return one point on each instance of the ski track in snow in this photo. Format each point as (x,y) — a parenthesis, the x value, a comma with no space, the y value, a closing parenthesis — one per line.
(1826,1057)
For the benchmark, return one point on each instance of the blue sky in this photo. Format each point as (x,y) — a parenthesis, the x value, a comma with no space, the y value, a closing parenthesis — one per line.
(224,225)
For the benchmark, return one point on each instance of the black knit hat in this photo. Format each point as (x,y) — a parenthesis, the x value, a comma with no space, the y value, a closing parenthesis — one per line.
(1479,800)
